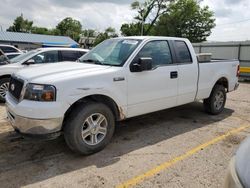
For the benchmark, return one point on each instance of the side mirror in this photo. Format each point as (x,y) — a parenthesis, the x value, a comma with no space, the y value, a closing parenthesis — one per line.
(29,62)
(143,64)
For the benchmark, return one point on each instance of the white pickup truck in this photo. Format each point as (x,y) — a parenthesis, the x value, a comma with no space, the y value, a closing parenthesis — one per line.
(120,78)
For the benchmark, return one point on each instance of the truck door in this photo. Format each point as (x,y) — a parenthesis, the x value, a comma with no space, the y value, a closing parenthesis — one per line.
(154,89)
(187,73)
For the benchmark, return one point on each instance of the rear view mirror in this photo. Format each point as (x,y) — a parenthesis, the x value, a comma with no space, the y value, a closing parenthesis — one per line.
(29,62)
(143,64)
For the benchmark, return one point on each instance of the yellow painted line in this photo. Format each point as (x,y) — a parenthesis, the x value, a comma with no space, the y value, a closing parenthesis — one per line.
(245,69)
(140,178)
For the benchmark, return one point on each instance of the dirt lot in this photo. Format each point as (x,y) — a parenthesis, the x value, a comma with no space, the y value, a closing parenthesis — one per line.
(139,145)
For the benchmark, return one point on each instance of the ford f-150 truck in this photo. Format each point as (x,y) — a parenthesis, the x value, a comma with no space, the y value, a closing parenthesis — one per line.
(118,79)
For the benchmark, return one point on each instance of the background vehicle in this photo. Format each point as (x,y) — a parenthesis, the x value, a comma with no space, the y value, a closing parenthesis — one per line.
(239,169)
(3,58)
(12,55)
(9,49)
(118,79)
(36,57)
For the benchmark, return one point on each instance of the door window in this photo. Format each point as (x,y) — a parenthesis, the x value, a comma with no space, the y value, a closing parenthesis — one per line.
(182,52)
(70,55)
(46,57)
(159,51)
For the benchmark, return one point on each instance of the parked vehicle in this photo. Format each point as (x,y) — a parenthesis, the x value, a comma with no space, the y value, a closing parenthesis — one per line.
(3,58)
(9,49)
(34,58)
(239,169)
(12,55)
(120,78)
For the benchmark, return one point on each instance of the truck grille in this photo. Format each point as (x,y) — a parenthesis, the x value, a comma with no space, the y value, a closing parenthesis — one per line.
(15,87)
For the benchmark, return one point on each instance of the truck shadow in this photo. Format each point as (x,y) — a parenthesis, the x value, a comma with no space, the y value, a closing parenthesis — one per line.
(19,158)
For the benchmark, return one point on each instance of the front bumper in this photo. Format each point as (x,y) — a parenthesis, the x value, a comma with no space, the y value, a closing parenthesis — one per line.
(34,118)
(34,126)
(232,180)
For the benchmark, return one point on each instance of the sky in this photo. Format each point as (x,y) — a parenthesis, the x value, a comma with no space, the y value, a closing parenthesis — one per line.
(232,16)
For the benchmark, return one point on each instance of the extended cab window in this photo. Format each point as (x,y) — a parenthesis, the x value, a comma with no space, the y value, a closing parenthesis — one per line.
(46,57)
(70,55)
(159,51)
(182,52)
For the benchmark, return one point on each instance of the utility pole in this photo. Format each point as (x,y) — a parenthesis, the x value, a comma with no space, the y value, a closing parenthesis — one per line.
(142,27)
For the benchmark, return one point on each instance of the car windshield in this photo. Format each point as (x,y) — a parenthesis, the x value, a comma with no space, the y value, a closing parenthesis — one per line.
(22,56)
(112,52)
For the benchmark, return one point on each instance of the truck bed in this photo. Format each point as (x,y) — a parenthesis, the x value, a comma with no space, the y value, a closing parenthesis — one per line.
(211,71)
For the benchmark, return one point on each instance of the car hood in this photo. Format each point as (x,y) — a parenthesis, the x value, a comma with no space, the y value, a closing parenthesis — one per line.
(242,162)
(51,72)
(11,65)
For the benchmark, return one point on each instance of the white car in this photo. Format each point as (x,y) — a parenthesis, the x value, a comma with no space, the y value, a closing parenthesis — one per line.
(34,58)
(118,79)
(239,169)
(10,51)
(13,54)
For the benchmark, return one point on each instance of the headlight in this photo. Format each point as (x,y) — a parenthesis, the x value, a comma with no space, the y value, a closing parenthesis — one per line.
(39,92)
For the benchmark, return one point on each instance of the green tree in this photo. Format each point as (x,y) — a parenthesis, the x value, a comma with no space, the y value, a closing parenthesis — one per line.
(186,18)
(148,13)
(134,29)
(130,29)
(41,30)
(69,27)
(89,33)
(108,33)
(21,25)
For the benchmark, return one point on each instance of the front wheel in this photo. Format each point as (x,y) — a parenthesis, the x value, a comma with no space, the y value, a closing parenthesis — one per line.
(89,128)
(216,101)
(4,86)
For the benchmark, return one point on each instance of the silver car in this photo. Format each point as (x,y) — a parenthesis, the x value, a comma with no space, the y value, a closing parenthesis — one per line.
(239,169)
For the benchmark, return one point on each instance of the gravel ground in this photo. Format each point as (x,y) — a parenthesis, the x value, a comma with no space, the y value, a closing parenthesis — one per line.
(139,145)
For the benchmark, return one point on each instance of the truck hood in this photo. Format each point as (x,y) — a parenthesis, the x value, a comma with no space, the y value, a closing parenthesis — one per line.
(51,72)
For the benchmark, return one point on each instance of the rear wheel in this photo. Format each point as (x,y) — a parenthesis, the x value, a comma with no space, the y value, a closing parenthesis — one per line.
(89,128)
(216,101)
(4,86)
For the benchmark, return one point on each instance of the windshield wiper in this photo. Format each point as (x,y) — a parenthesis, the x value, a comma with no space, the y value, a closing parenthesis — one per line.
(92,61)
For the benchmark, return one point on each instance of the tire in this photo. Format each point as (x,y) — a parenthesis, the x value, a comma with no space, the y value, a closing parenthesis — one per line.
(216,101)
(82,132)
(4,85)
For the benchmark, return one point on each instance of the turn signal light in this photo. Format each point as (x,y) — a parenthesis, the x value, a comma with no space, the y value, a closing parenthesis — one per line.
(48,96)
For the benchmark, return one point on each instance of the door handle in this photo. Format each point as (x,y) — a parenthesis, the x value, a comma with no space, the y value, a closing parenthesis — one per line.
(173,74)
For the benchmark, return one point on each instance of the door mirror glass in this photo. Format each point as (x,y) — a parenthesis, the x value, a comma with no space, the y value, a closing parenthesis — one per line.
(143,64)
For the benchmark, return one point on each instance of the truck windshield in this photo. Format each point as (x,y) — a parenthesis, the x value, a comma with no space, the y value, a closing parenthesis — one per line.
(112,52)
(22,56)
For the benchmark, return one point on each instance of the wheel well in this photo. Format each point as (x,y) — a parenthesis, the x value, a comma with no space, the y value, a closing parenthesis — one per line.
(5,76)
(223,81)
(96,98)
